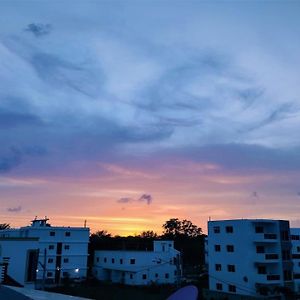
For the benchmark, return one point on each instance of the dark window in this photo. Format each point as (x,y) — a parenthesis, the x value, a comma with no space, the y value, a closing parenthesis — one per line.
(230,248)
(261,270)
(65,274)
(284,235)
(156,275)
(175,272)
(97,259)
(131,276)
(112,260)
(287,275)
(66,260)
(50,260)
(260,249)
(144,276)
(229,229)
(105,259)
(51,247)
(217,248)
(52,233)
(132,261)
(121,261)
(49,274)
(167,275)
(68,233)
(217,229)
(231,268)
(295,237)
(219,286)
(232,288)
(218,267)
(67,247)
(298,249)
(286,255)
(259,229)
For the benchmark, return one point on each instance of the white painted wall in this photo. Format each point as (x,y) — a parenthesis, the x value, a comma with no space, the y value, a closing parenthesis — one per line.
(161,266)
(16,249)
(245,258)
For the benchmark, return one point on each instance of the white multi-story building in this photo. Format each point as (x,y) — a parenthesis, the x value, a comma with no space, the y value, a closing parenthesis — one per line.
(295,238)
(160,266)
(63,251)
(249,257)
(18,259)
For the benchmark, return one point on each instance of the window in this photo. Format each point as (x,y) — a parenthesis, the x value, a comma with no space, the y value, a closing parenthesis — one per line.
(284,235)
(298,249)
(112,260)
(156,275)
(132,261)
(51,247)
(260,249)
(295,237)
(121,261)
(217,248)
(66,260)
(50,260)
(49,274)
(219,286)
(105,259)
(144,276)
(68,233)
(286,255)
(175,272)
(230,248)
(261,270)
(232,288)
(259,229)
(218,267)
(52,233)
(229,229)
(65,274)
(217,229)
(131,276)
(167,275)
(287,275)
(67,247)
(231,268)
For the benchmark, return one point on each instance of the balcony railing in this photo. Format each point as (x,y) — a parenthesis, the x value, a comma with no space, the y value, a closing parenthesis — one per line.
(270,236)
(271,256)
(273,277)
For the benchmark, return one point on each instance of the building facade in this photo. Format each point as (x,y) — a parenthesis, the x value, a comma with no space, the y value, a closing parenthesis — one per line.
(63,251)
(160,266)
(249,257)
(295,238)
(19,259)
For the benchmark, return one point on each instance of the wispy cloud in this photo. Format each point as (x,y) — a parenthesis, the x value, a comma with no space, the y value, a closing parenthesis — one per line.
(147,198)
(15,209)
(38,29)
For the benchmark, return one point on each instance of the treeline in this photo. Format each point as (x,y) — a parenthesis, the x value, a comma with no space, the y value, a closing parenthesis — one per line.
(188,238)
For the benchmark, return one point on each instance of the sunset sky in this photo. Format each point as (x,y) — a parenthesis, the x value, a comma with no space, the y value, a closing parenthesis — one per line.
(128,113)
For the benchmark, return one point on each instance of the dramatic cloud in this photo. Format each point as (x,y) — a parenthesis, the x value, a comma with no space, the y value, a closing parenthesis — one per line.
(118,93)
(39,29)
(147,198)
(14,209)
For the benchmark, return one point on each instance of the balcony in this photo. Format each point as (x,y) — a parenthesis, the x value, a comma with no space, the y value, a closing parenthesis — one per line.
(273,277)
(264,258)
(266,238)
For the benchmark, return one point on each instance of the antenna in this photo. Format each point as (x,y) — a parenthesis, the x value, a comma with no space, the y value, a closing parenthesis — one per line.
(209,218)
(84,223)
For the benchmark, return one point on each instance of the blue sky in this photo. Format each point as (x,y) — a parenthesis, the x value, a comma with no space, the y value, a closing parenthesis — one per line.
(102,89)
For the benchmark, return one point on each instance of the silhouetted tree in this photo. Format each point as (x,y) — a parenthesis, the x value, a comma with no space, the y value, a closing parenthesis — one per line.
(174,228)
(149,234)
(4,226)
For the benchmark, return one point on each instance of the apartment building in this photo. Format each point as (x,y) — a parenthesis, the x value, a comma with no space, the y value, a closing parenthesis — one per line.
(295,238)
(249,257)
(160,266)
(63,251)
